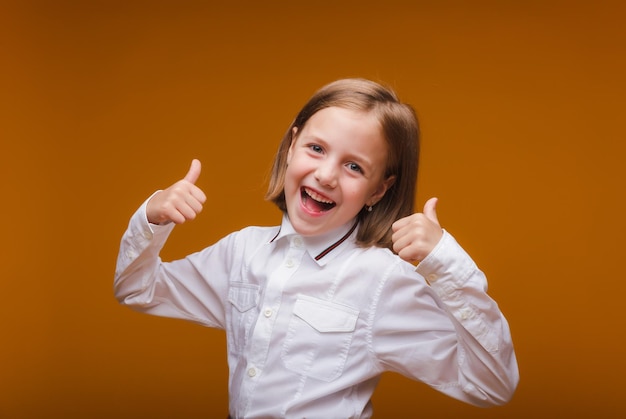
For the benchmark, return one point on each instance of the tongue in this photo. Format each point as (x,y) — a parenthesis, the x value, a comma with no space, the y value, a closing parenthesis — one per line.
(316,206)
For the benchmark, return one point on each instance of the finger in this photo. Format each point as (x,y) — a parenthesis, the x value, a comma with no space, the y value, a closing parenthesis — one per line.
(194,203)
(406,249)
(176,218)
(173,214)
(430,211)
(403,238)
(197,194)
(400,223)
(400,242)
(409,256)
(188,211)
(180,213)
(194,171)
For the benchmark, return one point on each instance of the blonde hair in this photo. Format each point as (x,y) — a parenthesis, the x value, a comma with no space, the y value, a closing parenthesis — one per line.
(401,131)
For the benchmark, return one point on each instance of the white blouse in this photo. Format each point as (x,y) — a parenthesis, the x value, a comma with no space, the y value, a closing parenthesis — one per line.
(312,322)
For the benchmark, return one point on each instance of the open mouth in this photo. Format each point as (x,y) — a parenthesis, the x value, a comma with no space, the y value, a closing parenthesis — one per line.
(315,202)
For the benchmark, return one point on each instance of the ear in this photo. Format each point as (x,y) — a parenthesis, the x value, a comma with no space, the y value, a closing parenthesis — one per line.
(380,191)
(294,132)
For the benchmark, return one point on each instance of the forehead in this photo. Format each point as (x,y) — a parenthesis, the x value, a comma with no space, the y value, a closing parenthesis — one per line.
(335,122)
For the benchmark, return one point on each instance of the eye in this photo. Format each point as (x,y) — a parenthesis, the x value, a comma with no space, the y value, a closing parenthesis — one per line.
(355,167)
(315,148)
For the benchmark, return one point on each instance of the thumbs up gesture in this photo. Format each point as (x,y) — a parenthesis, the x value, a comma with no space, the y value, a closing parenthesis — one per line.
(180,202)
(415,236)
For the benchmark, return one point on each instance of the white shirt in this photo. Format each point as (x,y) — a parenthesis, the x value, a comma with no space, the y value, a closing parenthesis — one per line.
(312,322)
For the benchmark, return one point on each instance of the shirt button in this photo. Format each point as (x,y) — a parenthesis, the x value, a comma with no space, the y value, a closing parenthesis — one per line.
(289,263)
(465,313)
(297,242)
(432,278)
(267,312)
(251,372)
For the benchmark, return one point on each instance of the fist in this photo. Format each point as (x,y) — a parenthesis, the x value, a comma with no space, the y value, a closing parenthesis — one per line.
(180,202)
(415,236)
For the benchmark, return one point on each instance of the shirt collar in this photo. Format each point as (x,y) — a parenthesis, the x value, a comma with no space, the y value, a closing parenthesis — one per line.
(321,248)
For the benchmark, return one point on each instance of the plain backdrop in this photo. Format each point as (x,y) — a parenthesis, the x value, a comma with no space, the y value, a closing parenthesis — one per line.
(522,108)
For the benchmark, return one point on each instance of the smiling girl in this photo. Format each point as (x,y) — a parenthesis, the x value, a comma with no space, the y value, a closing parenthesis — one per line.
(317,308)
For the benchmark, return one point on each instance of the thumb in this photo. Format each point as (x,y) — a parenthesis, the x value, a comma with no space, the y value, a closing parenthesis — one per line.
(194,171)
(429,210)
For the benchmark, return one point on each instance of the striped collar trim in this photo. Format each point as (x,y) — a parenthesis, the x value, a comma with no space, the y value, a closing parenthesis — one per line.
(337,243)
(287,229)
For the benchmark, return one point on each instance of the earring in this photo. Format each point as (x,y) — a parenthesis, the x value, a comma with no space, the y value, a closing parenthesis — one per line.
(369,208)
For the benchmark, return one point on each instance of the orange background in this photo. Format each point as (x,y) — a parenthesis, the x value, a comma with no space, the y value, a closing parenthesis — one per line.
(522,105)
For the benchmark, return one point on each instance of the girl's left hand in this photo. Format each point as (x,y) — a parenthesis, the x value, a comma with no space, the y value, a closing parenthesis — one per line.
(415,236)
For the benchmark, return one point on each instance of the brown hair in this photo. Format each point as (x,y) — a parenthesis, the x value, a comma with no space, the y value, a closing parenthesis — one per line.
(401,131)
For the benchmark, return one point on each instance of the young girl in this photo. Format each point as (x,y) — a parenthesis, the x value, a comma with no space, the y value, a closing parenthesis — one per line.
(316,309)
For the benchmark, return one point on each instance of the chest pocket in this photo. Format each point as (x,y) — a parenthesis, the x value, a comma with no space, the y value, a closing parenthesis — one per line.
(243,299)
(319,337)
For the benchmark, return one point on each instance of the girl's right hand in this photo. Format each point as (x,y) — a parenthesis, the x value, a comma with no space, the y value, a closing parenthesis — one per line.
(180,202)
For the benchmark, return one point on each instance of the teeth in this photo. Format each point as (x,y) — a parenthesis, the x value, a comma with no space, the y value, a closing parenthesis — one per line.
(317,197)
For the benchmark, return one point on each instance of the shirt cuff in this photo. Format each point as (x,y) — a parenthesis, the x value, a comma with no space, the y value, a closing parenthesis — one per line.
(447,263)
(141,228)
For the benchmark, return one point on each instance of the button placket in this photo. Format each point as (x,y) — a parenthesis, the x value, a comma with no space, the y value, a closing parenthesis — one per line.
(262,331)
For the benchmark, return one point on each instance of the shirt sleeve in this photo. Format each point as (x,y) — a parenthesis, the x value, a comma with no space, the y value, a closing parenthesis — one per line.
(446,331)
(178,289)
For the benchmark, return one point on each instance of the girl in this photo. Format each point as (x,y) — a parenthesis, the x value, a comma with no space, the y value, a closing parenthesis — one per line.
(316,309)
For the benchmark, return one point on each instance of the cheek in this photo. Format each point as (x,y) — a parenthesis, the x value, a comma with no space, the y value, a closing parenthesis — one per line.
(356,193)
(297,167)
(292,176)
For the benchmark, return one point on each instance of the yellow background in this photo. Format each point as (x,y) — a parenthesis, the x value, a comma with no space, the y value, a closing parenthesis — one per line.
(522,106)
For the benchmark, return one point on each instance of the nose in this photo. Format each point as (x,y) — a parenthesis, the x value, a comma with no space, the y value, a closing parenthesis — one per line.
(326,174)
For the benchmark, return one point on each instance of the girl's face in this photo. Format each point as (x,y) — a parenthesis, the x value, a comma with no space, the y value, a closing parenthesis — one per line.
(336,165)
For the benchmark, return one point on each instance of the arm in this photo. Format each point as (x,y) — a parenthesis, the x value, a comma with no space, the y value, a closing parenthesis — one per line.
(458,329)
(177,289)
